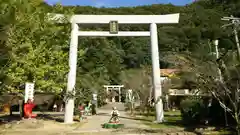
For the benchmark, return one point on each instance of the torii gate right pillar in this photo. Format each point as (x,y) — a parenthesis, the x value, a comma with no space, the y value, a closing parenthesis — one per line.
(156,73)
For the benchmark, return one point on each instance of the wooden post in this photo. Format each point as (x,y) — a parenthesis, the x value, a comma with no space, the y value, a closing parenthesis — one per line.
(119,91)
(108,97)
(21,111)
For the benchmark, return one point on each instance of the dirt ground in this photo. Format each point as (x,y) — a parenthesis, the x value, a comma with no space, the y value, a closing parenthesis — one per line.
(92,126)
(53,125)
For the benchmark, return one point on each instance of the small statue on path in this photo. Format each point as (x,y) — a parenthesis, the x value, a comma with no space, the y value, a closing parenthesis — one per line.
(114,116)
(88,109)
(81,112)
(55,107)
(114,121)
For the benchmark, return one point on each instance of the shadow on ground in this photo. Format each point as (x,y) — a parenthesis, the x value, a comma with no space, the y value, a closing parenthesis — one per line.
(5,119)
(172,126)
(53,117)
(8,119)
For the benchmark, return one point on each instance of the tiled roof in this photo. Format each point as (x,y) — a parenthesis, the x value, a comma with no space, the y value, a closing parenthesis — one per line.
(167,72)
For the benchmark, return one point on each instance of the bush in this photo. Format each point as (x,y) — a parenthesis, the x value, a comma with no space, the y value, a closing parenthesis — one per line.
(101,102)
(216,115)
(192,111)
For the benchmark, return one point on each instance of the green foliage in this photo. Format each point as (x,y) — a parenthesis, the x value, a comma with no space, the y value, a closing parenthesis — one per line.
(34,49)
(33,54)
(192,110)
(139,80)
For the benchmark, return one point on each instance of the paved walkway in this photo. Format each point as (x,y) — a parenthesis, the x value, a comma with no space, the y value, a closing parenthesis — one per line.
(92,125)
(94,122)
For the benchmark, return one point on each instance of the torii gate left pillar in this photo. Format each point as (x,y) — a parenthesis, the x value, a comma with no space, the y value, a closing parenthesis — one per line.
(121,19)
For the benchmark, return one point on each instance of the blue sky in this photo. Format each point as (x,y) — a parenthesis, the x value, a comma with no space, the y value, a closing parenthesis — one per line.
(117,3)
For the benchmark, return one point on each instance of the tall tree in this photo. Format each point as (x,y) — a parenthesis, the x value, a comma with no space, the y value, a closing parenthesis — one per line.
(38,48)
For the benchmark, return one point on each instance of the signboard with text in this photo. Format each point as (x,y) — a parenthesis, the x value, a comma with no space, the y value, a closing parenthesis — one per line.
(95,97)
(113,27)
(29,91)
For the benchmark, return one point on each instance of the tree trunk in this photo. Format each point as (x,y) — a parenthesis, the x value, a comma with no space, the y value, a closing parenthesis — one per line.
(167,103)
(11,110)
(132,108)
(238,123)
(21,113)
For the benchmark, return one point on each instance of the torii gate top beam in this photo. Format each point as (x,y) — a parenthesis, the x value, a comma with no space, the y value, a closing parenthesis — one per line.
(122,19)
(125,19)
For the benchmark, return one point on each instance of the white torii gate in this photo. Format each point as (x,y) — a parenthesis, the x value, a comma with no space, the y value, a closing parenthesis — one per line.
(152,20)
(112,88)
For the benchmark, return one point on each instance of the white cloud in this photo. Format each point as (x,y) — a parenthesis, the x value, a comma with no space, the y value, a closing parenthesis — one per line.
(100,3)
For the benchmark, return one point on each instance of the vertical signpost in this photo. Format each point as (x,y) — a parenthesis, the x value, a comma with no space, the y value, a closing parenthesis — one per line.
(95,98)
(94,103)
(29,91)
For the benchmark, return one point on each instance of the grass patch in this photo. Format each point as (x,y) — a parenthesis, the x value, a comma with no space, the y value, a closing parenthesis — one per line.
(221,132)
(172,120)
(77,124)
(174,123)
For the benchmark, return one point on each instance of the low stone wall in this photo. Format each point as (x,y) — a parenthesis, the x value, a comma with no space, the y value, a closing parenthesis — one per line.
(43,101)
